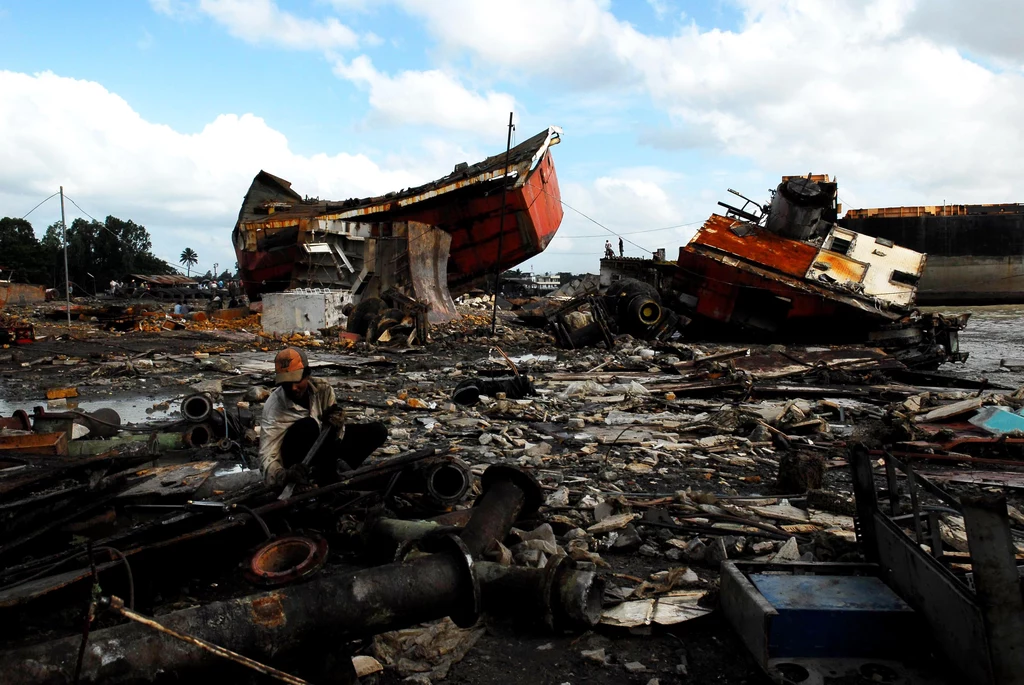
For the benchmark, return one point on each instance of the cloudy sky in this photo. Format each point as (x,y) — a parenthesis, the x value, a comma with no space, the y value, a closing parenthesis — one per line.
(163,111)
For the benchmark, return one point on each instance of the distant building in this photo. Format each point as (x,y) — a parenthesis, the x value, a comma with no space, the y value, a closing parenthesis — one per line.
(545,283)
(647,270)
(524,284)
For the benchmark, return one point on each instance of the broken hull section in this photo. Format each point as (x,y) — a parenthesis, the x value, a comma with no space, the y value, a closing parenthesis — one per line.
(275,221)
(737,281)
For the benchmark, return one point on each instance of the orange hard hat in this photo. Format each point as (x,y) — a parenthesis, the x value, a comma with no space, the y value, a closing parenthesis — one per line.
(289,365)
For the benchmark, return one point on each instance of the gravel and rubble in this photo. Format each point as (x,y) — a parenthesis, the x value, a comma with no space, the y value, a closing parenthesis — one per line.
(657,462)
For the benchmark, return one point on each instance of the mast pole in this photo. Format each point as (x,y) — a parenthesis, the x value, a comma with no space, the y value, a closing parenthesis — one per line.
(67,274)
(501,229)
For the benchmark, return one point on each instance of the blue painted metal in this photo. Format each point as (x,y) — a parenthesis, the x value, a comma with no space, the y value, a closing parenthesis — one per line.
(835,616)
(998,420)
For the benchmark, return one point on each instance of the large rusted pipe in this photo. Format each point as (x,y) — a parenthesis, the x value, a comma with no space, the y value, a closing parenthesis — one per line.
(508,493)
(265,625)
(198,435)
(445,480)
(196,408)
(562,596)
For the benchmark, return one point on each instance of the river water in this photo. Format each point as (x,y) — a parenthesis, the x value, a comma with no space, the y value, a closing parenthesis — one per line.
(993,334)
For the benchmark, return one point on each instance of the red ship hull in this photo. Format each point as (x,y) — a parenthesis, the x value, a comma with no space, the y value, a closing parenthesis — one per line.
(469,209)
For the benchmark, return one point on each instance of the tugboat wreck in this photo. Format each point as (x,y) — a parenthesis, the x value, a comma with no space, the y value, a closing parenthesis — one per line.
(787,272)
(449,233)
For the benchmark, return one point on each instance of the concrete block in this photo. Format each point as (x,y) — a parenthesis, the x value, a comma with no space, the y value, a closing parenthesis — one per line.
(303,310)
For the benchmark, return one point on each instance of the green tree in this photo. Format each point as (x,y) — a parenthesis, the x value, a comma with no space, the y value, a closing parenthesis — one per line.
(112,249)
(189,258)
(51,249)
(20,258)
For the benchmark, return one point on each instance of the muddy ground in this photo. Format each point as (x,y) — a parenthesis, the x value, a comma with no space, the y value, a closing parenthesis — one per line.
(133,372)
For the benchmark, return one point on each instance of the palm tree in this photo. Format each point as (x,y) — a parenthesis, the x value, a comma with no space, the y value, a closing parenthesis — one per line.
(189,258)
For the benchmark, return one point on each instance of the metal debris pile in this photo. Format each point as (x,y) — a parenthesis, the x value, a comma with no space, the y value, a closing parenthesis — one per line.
(612,488)
(746,463)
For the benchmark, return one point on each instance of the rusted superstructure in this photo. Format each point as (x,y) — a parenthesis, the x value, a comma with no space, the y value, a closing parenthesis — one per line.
(284,241)
(787,272)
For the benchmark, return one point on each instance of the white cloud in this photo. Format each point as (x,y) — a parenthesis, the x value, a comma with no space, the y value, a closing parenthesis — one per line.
(871,91)
(434,98)
(186,188)
(172,8)
(630,202)
(263,22)
(567,41)
(989,28)
(662,8)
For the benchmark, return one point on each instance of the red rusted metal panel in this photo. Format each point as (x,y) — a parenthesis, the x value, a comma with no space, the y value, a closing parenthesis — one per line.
(35,443)
(21,294)
(760,246)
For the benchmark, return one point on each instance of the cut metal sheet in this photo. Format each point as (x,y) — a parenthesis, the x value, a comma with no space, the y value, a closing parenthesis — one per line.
(670,609)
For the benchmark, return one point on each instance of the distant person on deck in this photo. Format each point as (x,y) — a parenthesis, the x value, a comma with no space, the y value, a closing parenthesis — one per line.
(608,251)
(622,249)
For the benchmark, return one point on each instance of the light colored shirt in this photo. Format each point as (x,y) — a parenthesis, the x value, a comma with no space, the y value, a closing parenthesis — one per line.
(279,414)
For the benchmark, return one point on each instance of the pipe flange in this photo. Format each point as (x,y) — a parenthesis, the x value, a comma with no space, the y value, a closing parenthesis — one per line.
(467,613)
(533,496)
(448,481)
(197,407)
(286,559)
(578,598)
(552,573)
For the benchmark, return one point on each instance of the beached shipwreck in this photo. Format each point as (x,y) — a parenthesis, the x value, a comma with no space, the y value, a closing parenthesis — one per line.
(786,272)
(439,238)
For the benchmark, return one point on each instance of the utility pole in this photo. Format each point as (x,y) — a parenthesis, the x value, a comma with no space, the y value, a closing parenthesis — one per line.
(501,228)
(67,274)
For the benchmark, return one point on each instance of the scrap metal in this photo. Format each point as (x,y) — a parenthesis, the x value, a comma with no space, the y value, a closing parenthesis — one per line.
(264,626)
(977,631)
(788,271)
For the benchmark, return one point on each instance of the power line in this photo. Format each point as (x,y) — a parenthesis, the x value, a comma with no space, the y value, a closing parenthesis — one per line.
(41,204)
(649,230)
(598,223)
(104,227)
(68,198)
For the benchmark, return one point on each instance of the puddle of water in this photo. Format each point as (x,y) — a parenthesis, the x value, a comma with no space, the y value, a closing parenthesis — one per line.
(131,409)
(992,334)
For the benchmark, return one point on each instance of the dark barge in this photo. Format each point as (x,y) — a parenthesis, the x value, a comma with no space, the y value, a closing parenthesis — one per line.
(975,252)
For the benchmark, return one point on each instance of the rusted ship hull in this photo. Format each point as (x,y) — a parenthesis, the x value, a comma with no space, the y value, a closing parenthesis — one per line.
(789,273)
(753,285)
(275,221)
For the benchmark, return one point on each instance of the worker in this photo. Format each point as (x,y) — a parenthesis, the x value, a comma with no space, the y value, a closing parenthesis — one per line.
(293,416)
(622,249)
(608,252)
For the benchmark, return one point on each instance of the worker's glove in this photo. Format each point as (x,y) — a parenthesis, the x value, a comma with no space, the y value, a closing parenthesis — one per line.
(297,474)
(334,415)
